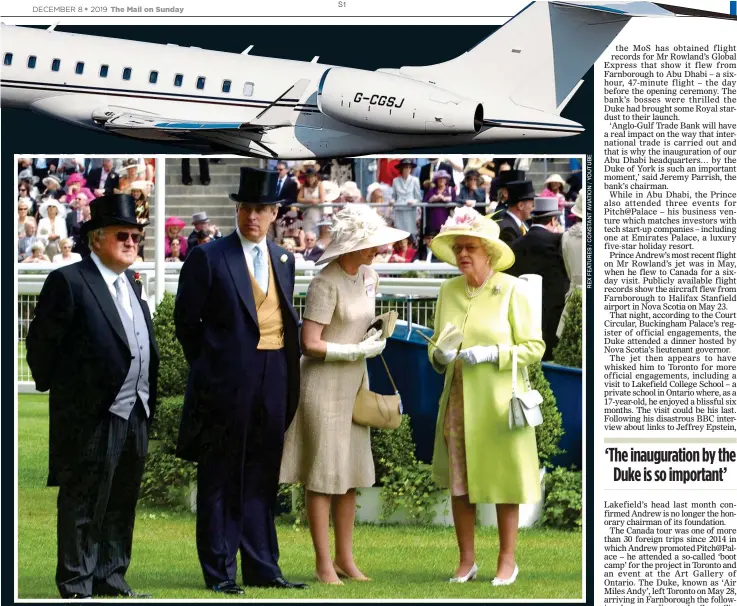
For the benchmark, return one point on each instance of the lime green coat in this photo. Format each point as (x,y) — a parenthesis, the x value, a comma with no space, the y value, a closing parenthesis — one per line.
(502,463)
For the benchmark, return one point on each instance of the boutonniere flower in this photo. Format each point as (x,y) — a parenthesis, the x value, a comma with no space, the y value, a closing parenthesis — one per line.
(137,278)
(283,258)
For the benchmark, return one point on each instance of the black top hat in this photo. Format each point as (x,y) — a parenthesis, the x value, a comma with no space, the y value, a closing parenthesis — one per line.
(256,186)
(114,209)
(520,191)
(507,176)
(406,162)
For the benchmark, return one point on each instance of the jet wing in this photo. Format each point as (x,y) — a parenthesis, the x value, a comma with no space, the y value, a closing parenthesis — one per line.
(275,115)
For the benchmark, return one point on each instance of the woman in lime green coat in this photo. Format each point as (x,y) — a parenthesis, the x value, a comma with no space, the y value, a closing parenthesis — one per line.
(477,456)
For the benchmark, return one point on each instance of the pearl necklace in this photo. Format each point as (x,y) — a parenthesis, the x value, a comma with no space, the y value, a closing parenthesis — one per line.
(472,292)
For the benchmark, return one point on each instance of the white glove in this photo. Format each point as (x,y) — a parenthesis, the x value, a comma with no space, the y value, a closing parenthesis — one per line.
(480,353)
(444,357)
(350,352)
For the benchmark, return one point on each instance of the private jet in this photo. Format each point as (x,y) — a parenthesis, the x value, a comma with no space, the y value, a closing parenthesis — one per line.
(217,102)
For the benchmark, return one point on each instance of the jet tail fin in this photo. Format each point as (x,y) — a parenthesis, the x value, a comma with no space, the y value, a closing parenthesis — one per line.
(539,56)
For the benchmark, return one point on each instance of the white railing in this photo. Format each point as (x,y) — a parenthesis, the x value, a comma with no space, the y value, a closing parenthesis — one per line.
(413,296)
(394,280)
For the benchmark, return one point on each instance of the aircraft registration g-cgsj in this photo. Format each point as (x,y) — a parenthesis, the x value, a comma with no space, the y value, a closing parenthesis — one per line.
(216,102)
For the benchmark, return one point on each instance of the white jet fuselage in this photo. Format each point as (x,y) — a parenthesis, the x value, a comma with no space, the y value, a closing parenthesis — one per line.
(256,85)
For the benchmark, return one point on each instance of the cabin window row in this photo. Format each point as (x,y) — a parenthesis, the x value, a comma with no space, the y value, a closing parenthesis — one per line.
(153,76)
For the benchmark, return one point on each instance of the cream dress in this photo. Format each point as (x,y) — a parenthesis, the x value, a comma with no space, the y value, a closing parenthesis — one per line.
(324,449)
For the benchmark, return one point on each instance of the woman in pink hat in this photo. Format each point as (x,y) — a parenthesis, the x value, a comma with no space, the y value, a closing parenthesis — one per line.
(173,227)
(75,184)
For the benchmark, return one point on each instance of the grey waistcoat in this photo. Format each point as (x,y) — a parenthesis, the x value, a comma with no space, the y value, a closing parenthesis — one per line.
(136,381)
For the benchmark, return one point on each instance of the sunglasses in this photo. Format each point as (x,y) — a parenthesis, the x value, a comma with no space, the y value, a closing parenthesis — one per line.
(122,236)
(471,248)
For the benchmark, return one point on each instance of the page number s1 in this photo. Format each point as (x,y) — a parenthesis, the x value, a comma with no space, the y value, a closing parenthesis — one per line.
(342,4)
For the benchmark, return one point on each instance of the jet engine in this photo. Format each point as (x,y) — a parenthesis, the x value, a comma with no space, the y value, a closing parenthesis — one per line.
(395,104)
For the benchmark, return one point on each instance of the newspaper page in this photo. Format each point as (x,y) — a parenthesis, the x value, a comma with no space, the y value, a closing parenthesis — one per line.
(614,123)
(665,283)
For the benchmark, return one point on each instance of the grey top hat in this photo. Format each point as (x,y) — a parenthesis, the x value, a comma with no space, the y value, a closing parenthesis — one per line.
(546,207)
(200,217)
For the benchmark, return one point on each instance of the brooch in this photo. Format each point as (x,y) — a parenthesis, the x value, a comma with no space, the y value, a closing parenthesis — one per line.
(283,258)
(496,290)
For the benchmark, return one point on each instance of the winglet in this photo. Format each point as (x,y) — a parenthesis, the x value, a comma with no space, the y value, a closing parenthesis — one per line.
(248,50)
(51,28)
(278,114)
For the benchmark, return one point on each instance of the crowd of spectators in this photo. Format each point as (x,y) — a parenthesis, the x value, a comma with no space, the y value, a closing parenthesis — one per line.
(415,195)
(54,196)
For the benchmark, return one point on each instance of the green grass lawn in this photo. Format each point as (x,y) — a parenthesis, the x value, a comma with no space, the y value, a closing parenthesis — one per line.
(405,561)
(24,373)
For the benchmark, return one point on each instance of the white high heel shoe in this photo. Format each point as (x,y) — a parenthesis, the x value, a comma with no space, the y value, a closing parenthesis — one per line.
(470,576)
(497,582)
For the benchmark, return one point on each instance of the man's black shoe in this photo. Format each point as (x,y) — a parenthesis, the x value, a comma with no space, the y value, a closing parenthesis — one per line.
(120,593)
(228,587)
(278,582)
(129,593)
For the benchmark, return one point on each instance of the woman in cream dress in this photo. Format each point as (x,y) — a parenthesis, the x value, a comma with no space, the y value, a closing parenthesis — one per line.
(52,226)
(324,449)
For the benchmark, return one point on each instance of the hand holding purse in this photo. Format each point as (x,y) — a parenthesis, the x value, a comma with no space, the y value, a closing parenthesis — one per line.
(524,408)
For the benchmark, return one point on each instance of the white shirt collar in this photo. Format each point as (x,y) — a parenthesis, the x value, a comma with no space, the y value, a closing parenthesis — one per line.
(248,246)
(515,217)
(107,274)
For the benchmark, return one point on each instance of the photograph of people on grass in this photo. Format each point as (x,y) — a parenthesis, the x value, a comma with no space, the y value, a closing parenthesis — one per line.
(211,439)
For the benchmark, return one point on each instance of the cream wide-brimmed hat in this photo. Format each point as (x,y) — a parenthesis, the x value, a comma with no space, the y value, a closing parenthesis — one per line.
(140,185)
(350,188)
(577,208)
(44,208)
(332,190)
(466,221)
(358,227)
(555,178)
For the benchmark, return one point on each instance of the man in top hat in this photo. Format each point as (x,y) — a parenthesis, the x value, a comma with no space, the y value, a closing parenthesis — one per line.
(540,252)
(238,329)
(498,192)
(520,203)
(201,229)
(102,399)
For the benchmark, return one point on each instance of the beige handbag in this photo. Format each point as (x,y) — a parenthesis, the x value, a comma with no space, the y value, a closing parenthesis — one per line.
(377,410)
